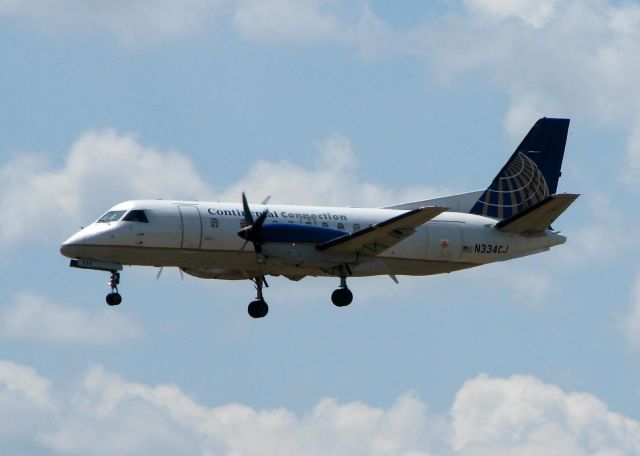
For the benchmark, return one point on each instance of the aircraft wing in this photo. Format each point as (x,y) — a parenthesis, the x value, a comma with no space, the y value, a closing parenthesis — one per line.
(379,237)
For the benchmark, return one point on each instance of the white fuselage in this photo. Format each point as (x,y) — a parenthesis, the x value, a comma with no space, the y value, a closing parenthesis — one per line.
(201,238)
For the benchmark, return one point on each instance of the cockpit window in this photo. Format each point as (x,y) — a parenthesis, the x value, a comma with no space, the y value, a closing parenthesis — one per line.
(136,216)
(111,216)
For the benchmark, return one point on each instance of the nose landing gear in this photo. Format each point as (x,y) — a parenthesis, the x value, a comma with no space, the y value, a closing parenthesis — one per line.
(114,298)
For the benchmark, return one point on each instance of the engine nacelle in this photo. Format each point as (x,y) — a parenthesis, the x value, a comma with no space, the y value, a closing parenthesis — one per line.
(293,254)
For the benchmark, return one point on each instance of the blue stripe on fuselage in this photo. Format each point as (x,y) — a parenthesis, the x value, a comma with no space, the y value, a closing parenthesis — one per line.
(275,232)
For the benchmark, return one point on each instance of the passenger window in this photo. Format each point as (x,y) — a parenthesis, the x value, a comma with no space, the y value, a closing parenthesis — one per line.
(325,225)
(214,223)
(136,216)
(111,216)
(341,226)
(356,227)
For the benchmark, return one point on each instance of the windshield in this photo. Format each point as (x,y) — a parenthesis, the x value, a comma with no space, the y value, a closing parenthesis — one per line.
(136,216)
(111,216)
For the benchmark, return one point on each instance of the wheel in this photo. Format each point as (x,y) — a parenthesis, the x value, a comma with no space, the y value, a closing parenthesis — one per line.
(258,308)
(113,299)
(341,297)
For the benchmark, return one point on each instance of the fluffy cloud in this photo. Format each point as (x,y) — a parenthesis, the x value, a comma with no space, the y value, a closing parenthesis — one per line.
(25,385)
(332,181)
(104,168)
(533,12)
(135,23)
(516,415)
(34,318)
(521,415)
(571,58)
(101,169)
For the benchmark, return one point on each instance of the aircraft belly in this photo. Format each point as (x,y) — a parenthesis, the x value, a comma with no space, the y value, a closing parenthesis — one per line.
(155,256)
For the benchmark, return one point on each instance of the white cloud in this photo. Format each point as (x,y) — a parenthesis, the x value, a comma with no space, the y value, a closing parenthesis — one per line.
(533,12)
(516,415)
(41,202)
(104,168)
(332,181)
(24,384)
(573,58)
(32,317)
(133,22)
(521,415)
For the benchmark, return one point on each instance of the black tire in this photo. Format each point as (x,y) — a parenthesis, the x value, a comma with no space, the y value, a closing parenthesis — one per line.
(341,297)
(113,299)
(348,297)
(258,309)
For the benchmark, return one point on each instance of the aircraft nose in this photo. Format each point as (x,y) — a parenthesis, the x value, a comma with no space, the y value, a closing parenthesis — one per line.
(71,247)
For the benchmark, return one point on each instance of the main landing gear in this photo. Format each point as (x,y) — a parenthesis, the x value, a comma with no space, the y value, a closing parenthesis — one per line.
(258,308)
(342,296)
(114,298)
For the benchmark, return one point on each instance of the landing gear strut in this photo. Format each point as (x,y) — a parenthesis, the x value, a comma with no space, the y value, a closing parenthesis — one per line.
(114,298)
(258,308)
(342,296)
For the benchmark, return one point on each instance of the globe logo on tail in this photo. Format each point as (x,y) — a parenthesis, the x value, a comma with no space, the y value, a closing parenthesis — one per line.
(519,185)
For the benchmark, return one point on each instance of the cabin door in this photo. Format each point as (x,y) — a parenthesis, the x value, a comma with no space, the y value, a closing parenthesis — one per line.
(191,227)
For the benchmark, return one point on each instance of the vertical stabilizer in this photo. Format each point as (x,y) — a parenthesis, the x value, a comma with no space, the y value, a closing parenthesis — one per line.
(531,174)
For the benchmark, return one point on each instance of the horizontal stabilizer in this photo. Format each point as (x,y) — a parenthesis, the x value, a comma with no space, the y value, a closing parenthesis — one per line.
(539,217)
(379,237)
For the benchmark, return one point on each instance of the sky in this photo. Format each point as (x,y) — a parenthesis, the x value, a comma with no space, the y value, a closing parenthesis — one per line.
(361,103)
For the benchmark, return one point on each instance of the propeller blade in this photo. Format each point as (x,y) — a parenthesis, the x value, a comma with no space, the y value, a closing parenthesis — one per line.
(248,218)
(260,220)
(251,230)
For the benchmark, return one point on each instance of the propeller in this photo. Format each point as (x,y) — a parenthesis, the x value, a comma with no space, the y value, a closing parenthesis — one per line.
(251,230)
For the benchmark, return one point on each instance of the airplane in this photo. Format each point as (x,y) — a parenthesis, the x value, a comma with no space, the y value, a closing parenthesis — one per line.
(509,219)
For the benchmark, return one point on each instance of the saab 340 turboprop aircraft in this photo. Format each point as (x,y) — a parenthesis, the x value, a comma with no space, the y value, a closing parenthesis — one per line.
(510,219)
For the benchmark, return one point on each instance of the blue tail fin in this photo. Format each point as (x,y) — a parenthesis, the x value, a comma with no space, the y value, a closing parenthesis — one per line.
(530,175)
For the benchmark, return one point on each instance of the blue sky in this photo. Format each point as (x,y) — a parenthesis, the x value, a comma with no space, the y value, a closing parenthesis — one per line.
(316,102)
